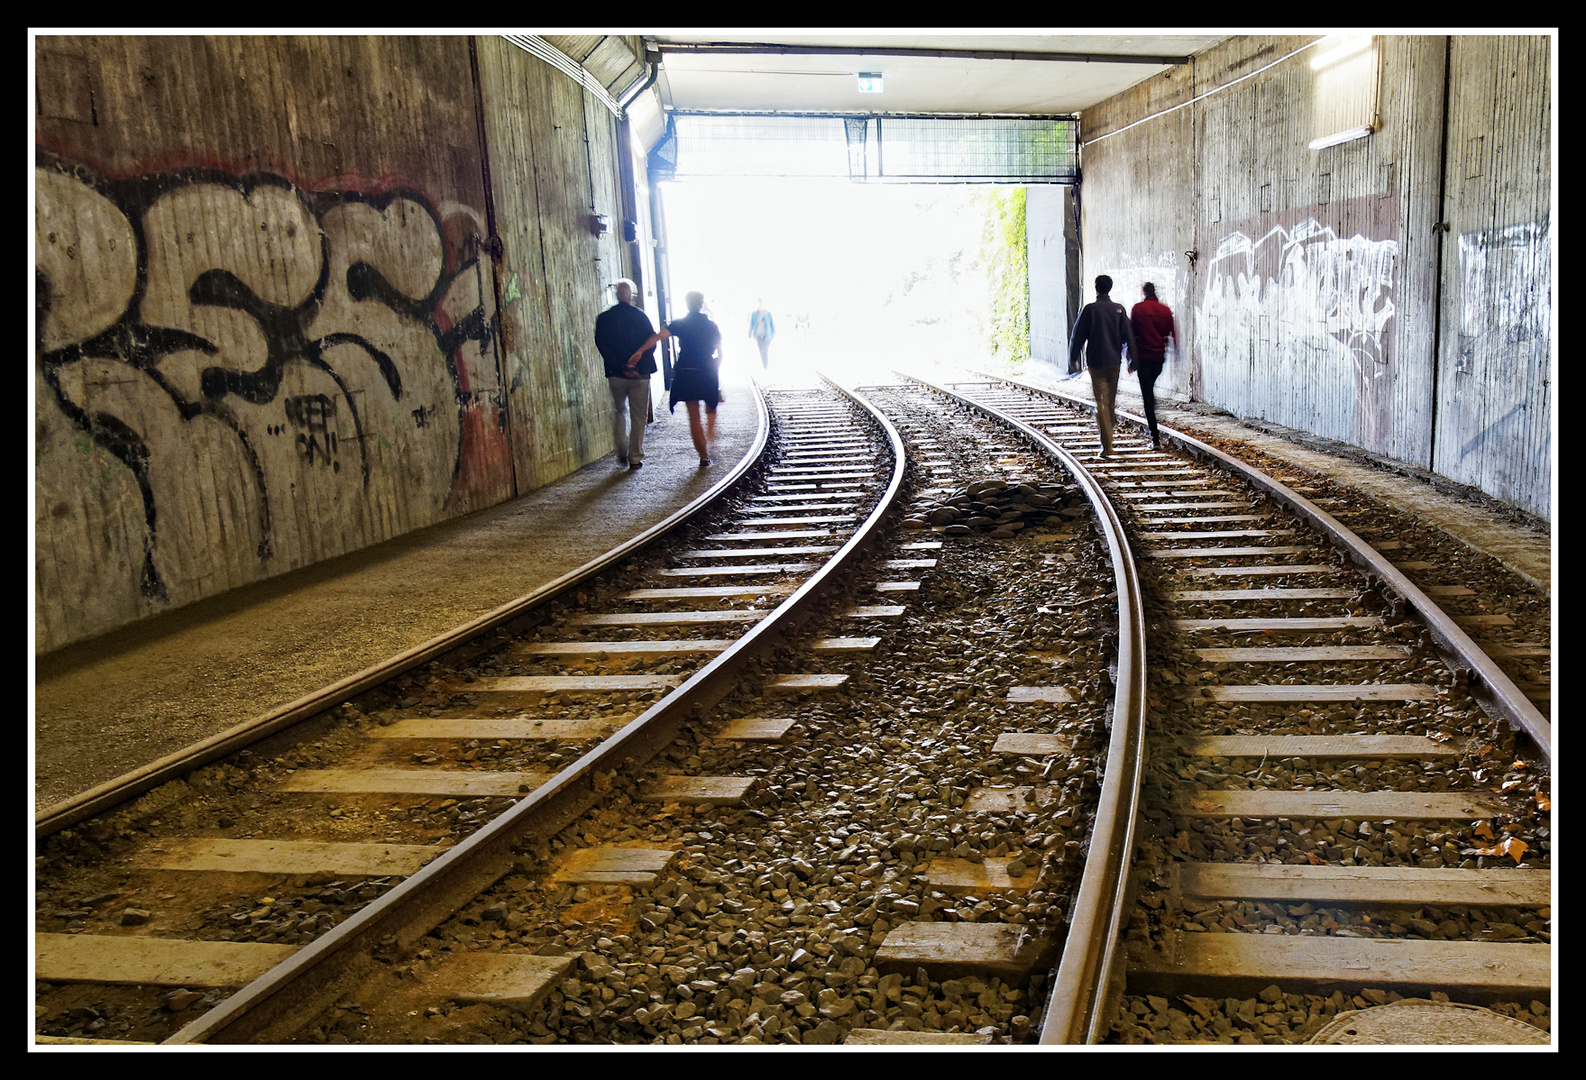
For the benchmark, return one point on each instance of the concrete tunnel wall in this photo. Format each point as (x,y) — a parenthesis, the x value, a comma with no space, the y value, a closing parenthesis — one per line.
(273,325)
(1391,292)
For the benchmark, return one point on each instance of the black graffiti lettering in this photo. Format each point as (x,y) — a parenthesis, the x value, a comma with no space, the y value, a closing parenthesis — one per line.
(314,414)
(297,318)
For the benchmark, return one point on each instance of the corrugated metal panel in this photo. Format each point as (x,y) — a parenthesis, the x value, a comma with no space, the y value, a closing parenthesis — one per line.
(1495,364)
(1145,172)
(513,87)
(562,365)
(1292,306)
(1413,78)
(1313,299)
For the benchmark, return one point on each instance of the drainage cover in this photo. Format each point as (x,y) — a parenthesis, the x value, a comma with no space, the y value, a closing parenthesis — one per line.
(1415,1022)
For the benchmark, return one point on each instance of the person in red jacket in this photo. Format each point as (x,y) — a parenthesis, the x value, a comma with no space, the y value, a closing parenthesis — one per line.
(1152,322)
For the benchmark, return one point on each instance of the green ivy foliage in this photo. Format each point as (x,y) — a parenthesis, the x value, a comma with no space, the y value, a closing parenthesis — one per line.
(1007,270)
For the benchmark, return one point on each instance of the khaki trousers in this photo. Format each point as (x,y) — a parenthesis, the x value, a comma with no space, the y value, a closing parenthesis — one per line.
(1104,383)
(630,406)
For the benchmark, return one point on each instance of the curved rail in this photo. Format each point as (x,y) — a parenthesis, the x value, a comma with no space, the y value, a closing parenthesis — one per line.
(1092,967)
(298,988)
(96,800)
(1489,685)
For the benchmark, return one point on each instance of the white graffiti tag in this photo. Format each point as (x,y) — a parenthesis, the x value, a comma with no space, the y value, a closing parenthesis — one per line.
(1320,293)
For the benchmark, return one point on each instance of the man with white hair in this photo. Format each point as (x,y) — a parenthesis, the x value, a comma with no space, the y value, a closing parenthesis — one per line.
(619,331)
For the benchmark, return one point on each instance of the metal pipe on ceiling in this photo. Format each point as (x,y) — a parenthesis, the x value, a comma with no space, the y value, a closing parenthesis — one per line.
(544,50)
(929,54)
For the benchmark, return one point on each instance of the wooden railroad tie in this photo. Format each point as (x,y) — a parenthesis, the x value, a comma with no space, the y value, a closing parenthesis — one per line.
(1240,965)
(756,729)
(1365,885)
(126,959)
(804,684)
(638,867)
(482,727)
(699,790)
(520,981)
(456,783)
(1335,805)
(288,857)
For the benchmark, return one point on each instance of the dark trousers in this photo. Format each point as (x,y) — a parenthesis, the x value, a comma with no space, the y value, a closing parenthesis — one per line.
(1148,370)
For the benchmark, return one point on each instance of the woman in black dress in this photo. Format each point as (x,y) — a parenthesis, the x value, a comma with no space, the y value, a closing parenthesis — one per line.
(695,380)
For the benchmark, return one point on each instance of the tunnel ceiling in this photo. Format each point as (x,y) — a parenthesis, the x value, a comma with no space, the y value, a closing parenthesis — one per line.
(922,74)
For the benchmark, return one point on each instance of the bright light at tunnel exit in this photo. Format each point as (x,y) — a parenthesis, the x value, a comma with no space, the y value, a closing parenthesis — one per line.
(857,277)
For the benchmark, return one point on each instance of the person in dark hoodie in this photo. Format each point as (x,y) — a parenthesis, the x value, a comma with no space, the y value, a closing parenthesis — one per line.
(1101,333)
(1152,322)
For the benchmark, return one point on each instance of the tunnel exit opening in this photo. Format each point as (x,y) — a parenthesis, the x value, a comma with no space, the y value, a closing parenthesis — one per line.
(870,240)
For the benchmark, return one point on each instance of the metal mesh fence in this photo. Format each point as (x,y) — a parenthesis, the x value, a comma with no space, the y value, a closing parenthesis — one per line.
(969,149)
(761,146)
(939,149)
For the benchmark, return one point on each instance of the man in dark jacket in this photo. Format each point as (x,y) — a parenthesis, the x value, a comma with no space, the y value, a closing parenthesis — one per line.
(1102,333)
(1152,322)
(619,331)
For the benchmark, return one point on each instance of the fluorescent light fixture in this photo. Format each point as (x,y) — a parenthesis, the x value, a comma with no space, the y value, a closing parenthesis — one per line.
(870,82)
(1348,46)
(1341,137)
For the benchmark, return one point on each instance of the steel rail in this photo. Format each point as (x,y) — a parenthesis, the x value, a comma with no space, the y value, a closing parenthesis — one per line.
(1092,969)
(112,793)
(290,995)
(1494,690)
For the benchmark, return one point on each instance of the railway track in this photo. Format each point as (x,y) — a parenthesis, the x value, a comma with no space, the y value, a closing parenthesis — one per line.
(900,868)
(427,837)
(1331,823)
(877,838)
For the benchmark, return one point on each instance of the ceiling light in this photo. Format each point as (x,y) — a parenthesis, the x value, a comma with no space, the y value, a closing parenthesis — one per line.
(870,82)
(1348,46)
(1341,137)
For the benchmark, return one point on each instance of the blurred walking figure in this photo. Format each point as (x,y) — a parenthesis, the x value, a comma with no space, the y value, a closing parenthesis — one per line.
(618,331)
(1102,333)
(696,374)
(762,328)
(1152,322)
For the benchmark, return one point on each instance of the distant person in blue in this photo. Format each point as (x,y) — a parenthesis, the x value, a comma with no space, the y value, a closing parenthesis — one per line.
(618,330)
(1101,333)
(695,375)
(762,328)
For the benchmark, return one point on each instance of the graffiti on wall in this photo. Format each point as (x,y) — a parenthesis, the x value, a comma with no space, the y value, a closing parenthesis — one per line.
(246,370)
(1505,347)
(1129,274)
(1320,294)
(1506,277)
(1296,326)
